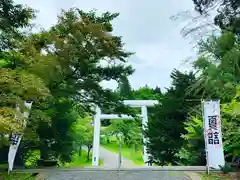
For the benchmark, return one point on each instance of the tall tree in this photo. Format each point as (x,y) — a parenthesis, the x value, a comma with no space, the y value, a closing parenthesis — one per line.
(218,67)
(71,52)
(74,49)
(124,88)
(16,81)
(167,121)
(80,42)
(218,78)
(17,84)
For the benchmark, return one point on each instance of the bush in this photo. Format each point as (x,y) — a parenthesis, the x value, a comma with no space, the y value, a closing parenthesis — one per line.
(226,168)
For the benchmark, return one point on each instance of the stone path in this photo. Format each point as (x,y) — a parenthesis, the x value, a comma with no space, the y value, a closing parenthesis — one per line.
(128,172)
(116,175)
(110,159)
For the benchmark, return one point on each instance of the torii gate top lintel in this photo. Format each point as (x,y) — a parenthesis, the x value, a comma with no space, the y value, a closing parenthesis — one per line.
(140,103)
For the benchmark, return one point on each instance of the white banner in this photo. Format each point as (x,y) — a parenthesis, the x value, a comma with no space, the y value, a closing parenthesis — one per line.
(16,138)
(213,134)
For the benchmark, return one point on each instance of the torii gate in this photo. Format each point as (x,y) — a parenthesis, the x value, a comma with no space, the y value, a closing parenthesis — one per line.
(99,116)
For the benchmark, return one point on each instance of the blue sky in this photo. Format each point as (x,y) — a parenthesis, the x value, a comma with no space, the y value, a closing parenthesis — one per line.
(146,28)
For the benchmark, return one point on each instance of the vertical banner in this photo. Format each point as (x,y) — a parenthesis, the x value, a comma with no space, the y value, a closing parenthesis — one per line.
(16,138)
(213,134)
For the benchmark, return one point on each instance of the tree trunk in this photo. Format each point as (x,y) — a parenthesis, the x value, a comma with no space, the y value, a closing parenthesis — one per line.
(135,147)
(89,149)
(80,150)
(44,152)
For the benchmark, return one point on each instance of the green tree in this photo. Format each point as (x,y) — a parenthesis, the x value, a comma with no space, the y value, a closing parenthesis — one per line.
(17,84)
(218,67)
(57,137)
(131,130)
(13,17)
(230,126)
(84,134)
(125,89)
(74,48)
(146,93)
(193,149)
(218,78)
(71,52)
(167,120)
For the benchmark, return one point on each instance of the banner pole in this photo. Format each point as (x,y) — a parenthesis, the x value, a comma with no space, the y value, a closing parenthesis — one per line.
(205,137)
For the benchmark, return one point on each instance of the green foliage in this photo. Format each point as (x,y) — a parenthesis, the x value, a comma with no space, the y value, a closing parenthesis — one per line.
(71,52)
(192,151)
(84,134)
(146,93)
(231,131)
(130,129)
(80,52)
(124,88)
(16,84)
(167,119)
(79,161)
(84,130)
(112,143)
(227,12)
(80,71)
(226,169)
(12,17)
(218,66)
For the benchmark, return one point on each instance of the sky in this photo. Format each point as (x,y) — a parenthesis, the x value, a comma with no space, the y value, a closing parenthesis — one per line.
(146,29)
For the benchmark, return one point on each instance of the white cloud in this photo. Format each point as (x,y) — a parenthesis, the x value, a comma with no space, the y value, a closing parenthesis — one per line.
(146,29)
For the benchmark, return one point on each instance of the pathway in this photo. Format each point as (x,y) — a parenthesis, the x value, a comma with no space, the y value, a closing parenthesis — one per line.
(116,175)
(110,159)
(110,172)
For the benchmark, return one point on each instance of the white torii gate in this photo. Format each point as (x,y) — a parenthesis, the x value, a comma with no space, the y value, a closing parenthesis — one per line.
(99,116)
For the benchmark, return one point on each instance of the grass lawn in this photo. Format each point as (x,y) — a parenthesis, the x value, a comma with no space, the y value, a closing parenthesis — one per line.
(19,176)
(217,176)
(81,161)
(127,152)
(78,161)
(4,166)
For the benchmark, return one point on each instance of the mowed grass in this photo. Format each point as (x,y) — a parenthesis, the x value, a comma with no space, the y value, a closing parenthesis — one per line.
(127,152)
(216,176)
(81,161)
(77,162)
(19,176)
